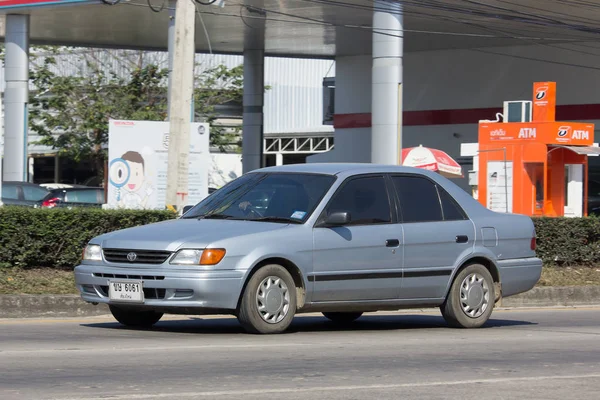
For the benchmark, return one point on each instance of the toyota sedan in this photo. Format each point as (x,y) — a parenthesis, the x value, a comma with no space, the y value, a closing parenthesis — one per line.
(340,239)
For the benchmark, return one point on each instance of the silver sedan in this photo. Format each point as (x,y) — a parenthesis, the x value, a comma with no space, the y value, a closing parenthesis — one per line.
(341,239)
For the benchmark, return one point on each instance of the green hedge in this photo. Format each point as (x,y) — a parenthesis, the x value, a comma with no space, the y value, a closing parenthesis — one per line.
(31,238)
(568,241)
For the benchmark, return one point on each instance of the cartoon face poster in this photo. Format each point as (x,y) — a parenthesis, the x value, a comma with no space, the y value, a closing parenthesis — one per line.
(138,155)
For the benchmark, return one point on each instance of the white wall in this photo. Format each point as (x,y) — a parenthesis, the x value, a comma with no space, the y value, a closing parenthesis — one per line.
(464,79)
(472,79)
(352,95)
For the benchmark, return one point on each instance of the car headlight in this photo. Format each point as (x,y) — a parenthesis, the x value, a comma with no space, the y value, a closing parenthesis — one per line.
(198,257)
(92,252)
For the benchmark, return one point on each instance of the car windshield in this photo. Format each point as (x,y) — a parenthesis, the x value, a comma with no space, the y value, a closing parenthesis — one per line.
(273,197)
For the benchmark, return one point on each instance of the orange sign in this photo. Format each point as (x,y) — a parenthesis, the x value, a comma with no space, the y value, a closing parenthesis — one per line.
(544,102)
(565,133)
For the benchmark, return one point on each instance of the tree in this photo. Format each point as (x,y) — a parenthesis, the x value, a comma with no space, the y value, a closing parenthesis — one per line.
(219,86)
(70,111)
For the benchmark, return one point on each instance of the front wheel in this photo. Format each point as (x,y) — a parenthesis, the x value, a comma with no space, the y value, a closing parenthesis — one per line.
(268,303)
(471,298)
(137,319)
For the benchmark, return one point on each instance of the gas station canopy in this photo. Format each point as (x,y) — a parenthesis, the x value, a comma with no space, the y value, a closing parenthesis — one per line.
(311,28)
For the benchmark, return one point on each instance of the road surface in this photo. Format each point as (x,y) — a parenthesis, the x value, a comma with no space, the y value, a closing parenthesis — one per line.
(524,354)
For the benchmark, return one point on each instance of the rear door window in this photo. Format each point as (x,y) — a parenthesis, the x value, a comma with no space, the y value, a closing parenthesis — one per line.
(422,200)
(82,196)
(34,193)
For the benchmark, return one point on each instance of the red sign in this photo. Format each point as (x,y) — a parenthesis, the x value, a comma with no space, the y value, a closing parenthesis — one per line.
(544,101)
(7,4)
(574,133)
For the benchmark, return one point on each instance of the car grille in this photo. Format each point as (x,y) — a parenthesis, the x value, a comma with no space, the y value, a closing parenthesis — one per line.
(124,276)
(142,256)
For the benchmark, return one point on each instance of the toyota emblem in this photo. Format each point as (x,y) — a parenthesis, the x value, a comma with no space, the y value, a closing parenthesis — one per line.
(131,257)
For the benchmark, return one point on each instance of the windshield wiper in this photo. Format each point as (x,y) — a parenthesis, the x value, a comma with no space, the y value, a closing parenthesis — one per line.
(216,216)
(276,219)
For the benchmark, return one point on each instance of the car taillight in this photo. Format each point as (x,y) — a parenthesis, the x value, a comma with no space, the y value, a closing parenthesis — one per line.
(533,243)
(50,202)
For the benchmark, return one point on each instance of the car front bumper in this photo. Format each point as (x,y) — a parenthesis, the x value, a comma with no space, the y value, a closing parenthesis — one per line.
(176,291)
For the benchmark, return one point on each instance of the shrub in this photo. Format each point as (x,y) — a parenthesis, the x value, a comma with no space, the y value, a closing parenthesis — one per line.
(568,241)
(31,238)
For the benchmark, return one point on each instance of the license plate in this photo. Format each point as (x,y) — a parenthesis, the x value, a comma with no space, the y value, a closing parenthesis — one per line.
(126,291)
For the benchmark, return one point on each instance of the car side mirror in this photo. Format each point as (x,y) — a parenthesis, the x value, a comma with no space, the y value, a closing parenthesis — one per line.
(187,208)
(338,218)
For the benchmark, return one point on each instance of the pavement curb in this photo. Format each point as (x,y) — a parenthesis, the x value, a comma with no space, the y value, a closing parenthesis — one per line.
(53,306)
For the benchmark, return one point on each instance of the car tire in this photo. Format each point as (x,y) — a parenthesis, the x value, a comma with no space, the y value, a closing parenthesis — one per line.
(268,303)
(471,299)
(342,317)
(135,319)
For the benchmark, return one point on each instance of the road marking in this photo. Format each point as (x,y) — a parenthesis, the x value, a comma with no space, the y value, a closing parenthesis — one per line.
(330,388)
(155,348)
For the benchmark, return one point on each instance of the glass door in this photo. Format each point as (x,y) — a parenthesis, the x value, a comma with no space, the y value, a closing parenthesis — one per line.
(573,190)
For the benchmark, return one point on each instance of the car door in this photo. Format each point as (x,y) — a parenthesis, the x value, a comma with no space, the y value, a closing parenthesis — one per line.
(437,233)
(33,195)
(361,260)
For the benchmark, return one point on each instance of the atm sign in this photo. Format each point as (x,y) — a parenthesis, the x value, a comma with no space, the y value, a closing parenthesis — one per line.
(566,134)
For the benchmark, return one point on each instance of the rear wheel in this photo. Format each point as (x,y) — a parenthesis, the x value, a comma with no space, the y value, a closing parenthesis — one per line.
(137,319)
(342,317)
(471,298)
(268,303)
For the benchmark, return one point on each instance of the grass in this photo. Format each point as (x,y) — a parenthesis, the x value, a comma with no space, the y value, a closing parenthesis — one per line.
(570,276)
(36,281)
(51,281)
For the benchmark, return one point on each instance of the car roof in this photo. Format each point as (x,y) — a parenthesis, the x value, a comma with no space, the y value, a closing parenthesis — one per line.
(22,183)
(340,168)
(79,188)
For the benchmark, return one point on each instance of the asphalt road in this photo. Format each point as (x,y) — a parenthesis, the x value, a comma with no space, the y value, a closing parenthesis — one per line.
(532,354)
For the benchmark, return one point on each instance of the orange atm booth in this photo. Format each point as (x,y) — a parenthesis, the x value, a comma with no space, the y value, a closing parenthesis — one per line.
(537,167)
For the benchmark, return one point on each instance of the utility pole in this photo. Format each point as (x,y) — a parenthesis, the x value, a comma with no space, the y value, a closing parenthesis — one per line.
(182,88)
(171,49)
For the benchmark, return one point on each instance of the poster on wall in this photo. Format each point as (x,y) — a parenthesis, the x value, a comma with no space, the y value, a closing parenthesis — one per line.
(137,164)
(500,186)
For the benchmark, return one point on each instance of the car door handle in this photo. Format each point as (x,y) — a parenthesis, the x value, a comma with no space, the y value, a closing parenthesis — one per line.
(392,243)
(462,239)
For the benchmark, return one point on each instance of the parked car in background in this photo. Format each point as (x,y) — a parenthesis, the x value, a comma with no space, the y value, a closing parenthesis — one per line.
(23,194)
(74,197)
(51,186)
(341,239)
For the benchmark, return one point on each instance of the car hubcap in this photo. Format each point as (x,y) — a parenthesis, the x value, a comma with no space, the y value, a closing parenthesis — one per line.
(474,295)
(273,299)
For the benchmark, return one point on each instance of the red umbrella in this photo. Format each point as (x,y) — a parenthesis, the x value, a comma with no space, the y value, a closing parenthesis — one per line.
(431,159)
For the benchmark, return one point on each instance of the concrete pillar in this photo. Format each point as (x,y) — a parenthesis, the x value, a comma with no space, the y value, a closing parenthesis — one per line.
(16,97)
(386,83)
(278,159)
(352,134)
(254,88)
